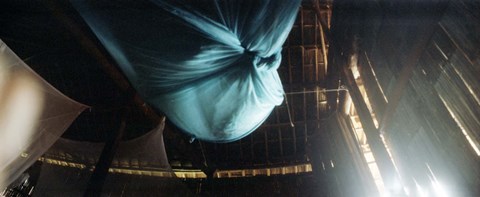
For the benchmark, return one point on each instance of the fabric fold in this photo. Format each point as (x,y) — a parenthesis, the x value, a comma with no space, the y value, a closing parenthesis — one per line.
(33,115)
(210,66)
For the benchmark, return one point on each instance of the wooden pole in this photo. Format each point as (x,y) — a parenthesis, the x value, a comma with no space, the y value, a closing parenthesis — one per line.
(97,180)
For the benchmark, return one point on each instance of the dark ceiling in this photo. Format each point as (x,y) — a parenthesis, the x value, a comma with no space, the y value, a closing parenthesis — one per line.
(38,37)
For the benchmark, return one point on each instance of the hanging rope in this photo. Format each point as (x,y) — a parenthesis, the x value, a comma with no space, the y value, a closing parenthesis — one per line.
(288,110)
(317,91)
(203,154)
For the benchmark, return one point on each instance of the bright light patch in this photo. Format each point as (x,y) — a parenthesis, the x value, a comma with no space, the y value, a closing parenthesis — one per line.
(420,191)
(20,106)
(439,189)
(21,102)
(29,110)
(469,139)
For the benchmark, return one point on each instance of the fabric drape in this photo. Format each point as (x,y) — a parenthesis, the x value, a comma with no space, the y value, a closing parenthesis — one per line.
(33,115)
(210,66)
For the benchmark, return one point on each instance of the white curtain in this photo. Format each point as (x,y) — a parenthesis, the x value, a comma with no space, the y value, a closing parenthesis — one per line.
(33,115)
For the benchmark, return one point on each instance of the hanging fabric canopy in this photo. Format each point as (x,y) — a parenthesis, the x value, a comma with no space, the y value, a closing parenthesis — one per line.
(210,66)
(33,115)
(139,168)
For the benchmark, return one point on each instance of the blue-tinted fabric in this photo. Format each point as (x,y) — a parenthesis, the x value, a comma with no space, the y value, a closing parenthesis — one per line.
(210,66)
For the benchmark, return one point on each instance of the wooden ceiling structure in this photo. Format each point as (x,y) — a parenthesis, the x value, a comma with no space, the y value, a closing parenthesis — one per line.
(303,72)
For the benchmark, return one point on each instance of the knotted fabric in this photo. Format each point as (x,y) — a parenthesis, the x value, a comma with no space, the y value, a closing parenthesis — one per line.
(209,65)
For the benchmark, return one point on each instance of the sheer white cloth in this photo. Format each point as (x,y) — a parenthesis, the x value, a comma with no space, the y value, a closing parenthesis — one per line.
(33,115)
(145,151)
(146,154)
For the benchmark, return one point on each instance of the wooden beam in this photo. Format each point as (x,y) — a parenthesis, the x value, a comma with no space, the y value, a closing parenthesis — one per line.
(424,35)
(384,163)
(294,144)
(280,141)
(85,39)
(324,49)
(97,180)
(289,58)
(267,159)
(302,38)
(305,125)
(252,152)
(372,88)
(240,142)
(323,23)
(303,63)
(317,72)
(279,131)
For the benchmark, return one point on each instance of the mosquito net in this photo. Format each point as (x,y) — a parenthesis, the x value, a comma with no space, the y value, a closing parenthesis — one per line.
(139,168)
(210,66)
(33,115)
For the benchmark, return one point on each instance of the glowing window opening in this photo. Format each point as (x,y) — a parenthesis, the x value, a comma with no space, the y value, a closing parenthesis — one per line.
(179,173)
(294,169)
(360,135)
(191,173)
(365,148)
